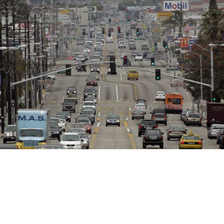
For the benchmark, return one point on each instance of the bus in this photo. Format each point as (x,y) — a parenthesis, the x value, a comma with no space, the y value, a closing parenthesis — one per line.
(173,103)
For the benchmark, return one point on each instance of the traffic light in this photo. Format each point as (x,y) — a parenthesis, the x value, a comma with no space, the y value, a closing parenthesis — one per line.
(109,21)
(165,44)
(127,35)
(155,45)
(137,31)
(158,74)
(83,32)
(112,66)
(125,61)
(215,97)
(109,34)
(103,30)
(68,71)
(119,30)
(152,61)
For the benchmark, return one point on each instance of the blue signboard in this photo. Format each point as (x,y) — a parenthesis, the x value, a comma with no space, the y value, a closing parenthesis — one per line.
(192,41)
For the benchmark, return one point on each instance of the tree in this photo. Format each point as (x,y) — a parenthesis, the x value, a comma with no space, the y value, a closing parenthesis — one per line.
(212,5)
(212,27)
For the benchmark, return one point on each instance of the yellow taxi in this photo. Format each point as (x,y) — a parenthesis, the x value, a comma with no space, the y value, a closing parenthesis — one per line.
(133,74)
(190,141)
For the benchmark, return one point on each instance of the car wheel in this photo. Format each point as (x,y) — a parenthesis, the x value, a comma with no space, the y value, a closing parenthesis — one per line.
(168,138)
(119,125)
(4,141)
(144,146)
(90,132)
(128,78)
(166,124)
(220,146)
(137,79)
(59,139)
(161,146)
(106,125)
(139,134)
(199,125)
(132,118)
(87,147)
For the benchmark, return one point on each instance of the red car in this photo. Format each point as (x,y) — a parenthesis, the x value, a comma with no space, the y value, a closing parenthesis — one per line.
(91,81)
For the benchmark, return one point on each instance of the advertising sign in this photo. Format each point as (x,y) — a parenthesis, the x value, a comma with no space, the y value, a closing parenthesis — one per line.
(175,5)
(184,42)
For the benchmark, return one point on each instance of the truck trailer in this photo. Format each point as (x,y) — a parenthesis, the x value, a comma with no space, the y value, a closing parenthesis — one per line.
(215,113)
(32,128)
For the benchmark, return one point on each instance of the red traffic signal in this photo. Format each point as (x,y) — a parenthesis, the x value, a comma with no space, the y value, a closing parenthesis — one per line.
(125,57)
(119,29)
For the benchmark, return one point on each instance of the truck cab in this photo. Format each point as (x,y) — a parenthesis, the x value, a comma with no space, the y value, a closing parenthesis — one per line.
(32,128)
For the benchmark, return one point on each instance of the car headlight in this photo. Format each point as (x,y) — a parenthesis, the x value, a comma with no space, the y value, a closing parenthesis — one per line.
(117,120)
(108,120)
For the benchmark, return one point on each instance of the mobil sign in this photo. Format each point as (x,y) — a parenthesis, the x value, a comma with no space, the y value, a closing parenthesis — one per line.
(175,5)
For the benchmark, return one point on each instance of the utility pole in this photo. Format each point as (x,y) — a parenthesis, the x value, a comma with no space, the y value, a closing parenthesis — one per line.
(35,63)
(2,79)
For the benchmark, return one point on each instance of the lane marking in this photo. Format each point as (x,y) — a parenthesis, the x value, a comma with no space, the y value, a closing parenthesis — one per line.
(108,108)
(121,76)
(98,124)
(130,135)
(128,130)
(99,93)
(99,114)
(126,119)
(166,145)
(93,141)
(130,108)
(117,93)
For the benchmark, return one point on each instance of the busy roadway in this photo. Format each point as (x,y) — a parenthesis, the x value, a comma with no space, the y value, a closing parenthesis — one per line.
(116,95)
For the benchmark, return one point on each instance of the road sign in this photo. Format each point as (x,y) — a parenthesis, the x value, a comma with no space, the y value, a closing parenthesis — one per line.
(171,69)
(177,84)
(192,41)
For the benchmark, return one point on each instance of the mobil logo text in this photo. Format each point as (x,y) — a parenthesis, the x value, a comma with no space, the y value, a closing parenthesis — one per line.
(175,5)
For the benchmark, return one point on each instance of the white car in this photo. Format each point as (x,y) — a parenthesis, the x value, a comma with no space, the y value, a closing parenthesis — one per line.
(138,57)
(87,50)
(160,95)
(71,141)
(89,104)
(110,39)
(140,107)
(51,77)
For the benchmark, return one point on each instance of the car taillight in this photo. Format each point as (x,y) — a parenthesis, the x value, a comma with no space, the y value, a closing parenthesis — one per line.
(161,137)
(143,108)
(184,132)
(140,127)
(144,137)
(170,131)
(165,118)
(182,142)
(199,143)
(153,117)
(156,126)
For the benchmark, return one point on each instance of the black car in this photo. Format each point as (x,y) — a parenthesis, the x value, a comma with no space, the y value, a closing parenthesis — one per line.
(66,114)
(81,68)
(68,105)
(153,137)
(144,124)
(83,117)
(90,114)
(158,110)
(95,68)
(160,118)
(54,131)
(89,91)
(113,120)
(71,90)
(132,47)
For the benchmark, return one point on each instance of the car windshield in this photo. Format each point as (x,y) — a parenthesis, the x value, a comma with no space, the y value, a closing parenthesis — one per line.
(176,101)
(83,135)
(148,122)
(191,138)
(90,90)
(89,104)
(140,105)
(10,128)
(70,137)
(95,57)
(74,130)
(177,128)
(218,127)
(31,133)
(71,88)
(113,117)
(133,72)
(153,132)
(70,102)
(87,112)
(91,79)
(194,115)
(159,115)
(55,120)
(53,125)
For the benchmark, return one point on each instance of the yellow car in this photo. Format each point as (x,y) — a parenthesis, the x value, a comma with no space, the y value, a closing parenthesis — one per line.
(190,141)
(133,74)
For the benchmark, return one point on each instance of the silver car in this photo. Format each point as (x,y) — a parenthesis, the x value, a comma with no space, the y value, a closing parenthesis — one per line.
(193,118)
(10,133)
(214,130)
(176,131)
(84,140)
(138,114)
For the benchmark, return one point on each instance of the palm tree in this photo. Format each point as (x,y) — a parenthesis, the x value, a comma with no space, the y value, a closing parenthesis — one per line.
(176,20)
(212,26)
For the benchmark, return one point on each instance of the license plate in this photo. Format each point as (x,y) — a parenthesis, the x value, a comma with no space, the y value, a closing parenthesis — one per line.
(152,137)
(159,119)
(192,143)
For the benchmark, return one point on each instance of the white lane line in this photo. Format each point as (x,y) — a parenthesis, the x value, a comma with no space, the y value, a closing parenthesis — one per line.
(166,145)
(130,108)
(126,119)
(117,92)
(80,98)
(63,99)
(99,93)
(99,114)
(98,124)
(121,76)
(128,130)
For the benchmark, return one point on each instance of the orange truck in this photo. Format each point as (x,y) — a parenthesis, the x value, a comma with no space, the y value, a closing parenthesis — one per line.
(174,103)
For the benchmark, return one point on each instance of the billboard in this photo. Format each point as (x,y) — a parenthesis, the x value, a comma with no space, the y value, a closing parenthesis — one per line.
(176,5)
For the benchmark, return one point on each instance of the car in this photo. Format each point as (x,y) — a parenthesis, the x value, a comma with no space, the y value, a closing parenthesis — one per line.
(147,55)
(77,127)
(60,122)
(9,133)
(81,68)
(51,77)
(122,44)
(141,101)
(95,68)
(113,119)
(67,114)
(176,131)
(84,139)
(80,42)
(89,41)
(138,113)
(214,130)
(132,46)
(138,57)
(160,118)
(144,124)
(90,91)
(145,46)
(54,131)
(91,98)
(160,95)
(86,121)
(152,137)
(86,50)
(95,74)
(190,141)
(133,74)
(219,136)
(88,104)
(141,107)
(71,141)
(110,39)
(193,117)
(69,105)
(88,108)
(91,81)
(71,90)
(183,115)
(89,114)
(96,58)
(49,147)
(79,59)
(158,110)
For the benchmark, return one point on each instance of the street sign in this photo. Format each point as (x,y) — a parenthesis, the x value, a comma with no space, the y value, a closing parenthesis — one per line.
(171,69)
(192,41)
(45,82)
(177,84)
